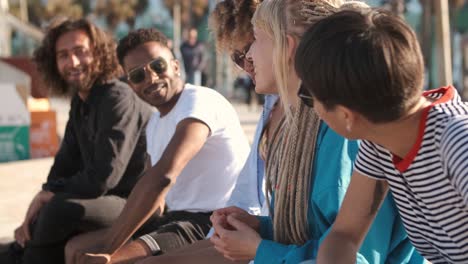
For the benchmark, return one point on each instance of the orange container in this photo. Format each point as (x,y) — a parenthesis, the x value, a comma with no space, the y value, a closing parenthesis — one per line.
(43,134)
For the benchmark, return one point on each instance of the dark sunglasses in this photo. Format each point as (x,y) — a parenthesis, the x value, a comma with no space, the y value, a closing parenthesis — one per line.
(306,99)
(158,66)
(240,57)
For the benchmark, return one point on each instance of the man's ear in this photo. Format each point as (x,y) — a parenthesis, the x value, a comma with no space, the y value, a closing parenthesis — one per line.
(175,66)
(347,116)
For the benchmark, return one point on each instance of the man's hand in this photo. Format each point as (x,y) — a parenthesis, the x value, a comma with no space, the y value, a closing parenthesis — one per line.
(240,243)
(22,233)
(20,237)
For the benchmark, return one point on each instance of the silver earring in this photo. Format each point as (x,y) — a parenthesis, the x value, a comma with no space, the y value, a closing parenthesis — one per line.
(348,127)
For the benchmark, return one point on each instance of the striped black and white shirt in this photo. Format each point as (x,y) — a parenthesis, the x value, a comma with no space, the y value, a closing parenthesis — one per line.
(430,184)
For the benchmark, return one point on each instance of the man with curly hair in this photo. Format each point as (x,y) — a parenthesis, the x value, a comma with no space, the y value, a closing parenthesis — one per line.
(197,149)
(103,152)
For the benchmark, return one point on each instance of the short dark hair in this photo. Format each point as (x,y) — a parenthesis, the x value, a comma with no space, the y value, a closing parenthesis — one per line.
(137,38)
(103,46)
(367,60)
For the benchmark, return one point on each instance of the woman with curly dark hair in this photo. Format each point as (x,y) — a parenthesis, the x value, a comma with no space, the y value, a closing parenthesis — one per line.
(102,50)
(232,31)
(103,151)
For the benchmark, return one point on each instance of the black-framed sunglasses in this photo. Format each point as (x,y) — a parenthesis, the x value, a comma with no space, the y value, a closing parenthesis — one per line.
(240,57)
(158,66)
(308,100)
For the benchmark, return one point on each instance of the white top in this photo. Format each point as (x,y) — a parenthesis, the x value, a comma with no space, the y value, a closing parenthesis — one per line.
(430,184)
(249,193)
(207,181)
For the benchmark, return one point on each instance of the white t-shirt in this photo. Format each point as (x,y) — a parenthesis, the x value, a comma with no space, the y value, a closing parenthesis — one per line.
(430,184)
(206,183)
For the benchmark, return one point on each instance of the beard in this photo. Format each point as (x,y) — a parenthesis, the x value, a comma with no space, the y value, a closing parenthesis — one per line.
(82,84)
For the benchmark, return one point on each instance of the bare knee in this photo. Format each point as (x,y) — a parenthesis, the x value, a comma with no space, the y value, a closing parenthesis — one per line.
(152,260)
(81,243)
(71,249)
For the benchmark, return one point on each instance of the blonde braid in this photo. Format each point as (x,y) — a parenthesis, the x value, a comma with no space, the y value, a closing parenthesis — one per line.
(291,154)
(301,14)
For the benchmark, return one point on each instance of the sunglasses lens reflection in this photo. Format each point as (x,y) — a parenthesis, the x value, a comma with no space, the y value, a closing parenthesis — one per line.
(238,59)
(308,101)
(137,76)
(159,66)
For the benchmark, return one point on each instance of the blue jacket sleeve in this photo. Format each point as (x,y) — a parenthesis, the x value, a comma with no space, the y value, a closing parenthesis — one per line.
(266,227)
(272,252)
(331,172)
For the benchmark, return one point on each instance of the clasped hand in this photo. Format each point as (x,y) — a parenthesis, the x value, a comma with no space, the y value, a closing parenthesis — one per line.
(236,233)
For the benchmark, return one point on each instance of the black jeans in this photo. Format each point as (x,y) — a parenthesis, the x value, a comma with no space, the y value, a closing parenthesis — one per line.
(63,217)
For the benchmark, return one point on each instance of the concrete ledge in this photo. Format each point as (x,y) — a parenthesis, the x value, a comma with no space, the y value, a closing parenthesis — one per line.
(20,181)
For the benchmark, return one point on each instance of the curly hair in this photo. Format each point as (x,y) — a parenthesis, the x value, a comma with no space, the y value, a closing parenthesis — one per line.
(138,37)
(103,49)
(230,22)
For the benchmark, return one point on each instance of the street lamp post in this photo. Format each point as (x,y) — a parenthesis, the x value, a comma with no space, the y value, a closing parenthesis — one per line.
(24,10)
(426,38)
(177,26)
(444,54)
(5,30)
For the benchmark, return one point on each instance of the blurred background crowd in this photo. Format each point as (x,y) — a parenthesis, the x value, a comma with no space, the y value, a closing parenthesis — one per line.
(22,22)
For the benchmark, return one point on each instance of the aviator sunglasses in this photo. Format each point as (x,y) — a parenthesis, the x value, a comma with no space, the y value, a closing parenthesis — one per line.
(137,75)
(240,57)
(306,99)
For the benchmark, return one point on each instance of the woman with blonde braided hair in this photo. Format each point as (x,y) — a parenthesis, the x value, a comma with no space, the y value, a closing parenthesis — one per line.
(308,166)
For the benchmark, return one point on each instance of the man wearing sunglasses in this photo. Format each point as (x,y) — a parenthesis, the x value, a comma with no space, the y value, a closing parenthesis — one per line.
(102,153)
(197,149)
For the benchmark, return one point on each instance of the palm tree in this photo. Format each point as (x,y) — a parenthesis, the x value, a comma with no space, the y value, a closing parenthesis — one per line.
(116,11)
(396,6)
(427,27)
(67,8)
(192,12)
(38,13)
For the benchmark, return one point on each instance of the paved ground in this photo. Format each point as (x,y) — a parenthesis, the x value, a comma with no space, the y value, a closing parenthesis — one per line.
(21,180)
